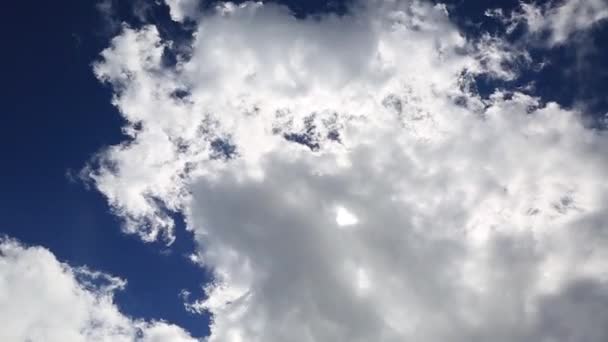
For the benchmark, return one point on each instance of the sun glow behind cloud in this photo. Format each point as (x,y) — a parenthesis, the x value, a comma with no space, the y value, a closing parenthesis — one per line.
(345,217)
(468,218)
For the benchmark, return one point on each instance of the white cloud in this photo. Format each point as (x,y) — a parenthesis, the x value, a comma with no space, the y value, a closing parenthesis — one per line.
(559,20)
(476,219)
(181,10)
(42,299)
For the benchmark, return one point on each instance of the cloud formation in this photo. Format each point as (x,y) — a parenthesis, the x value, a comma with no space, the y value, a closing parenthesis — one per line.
(181,10)
(42,299)
(555,22)
(345,182)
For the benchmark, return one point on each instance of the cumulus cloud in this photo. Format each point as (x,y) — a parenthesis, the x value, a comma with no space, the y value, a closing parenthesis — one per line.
(345,182)
(555,22)
(42,299)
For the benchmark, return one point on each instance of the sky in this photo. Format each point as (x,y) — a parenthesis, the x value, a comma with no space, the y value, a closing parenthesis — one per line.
(365,170)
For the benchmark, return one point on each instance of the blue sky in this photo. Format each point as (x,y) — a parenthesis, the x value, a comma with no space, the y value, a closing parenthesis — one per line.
(65,104)
(56,117)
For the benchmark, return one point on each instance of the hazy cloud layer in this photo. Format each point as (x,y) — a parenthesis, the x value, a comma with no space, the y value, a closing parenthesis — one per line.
(345,182)
(42,299)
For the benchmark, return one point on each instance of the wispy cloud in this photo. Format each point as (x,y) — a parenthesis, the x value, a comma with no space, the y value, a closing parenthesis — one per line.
(554,22)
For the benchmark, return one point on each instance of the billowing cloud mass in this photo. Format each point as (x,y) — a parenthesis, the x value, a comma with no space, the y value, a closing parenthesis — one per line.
(45,300)
(345,182)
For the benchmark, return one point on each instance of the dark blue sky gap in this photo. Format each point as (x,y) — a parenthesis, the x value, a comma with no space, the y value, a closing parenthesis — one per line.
(56,115)
(577,75)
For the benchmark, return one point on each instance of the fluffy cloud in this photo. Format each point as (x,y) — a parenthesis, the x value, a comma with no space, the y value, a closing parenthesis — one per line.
(556,21)
(42,299)
(345,182)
